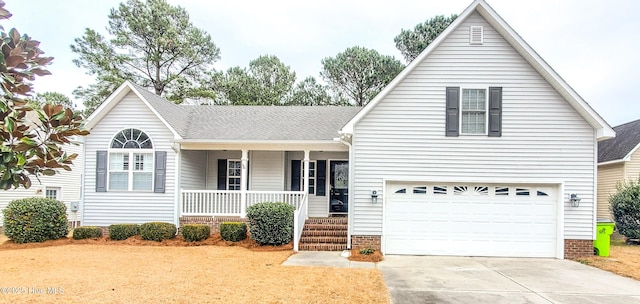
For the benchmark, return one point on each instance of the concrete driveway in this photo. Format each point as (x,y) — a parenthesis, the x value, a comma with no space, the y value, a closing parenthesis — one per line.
(428,279)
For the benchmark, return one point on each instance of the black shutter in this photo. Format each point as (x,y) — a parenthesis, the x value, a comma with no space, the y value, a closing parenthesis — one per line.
(222,174)
(160,172)
(495,111)
(321,179)
(295,175)
(101,171)
(453,116)
(247,174)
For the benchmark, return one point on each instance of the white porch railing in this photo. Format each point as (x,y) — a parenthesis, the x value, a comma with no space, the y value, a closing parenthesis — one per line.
(211,202)
(293,198)
(225,202)
(299,218)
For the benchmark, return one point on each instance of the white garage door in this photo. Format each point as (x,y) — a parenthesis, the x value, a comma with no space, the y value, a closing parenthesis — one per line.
(471,219)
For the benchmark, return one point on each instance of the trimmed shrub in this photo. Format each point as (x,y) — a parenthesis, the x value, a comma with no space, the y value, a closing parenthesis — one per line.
(35,219)
(119,232)
(87,232)
(271,223)
(625,207)
(195,232)
(157,231)
(233,231)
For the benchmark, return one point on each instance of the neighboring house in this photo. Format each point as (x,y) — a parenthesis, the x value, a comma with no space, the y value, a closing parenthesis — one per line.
(64,186)
(618,161)
(474,149)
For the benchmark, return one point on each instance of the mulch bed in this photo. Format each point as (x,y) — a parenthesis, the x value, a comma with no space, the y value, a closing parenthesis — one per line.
(374,257)
(178,241)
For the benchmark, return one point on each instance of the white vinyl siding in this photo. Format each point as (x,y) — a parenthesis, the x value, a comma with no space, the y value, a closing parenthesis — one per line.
(266,170)
(106,208)
(543,137)
(193,170)
(608,176)
(68,183)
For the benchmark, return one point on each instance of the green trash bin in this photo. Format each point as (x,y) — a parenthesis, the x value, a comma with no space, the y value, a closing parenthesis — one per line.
(603,237)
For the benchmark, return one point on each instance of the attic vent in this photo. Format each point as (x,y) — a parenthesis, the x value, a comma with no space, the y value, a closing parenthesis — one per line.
(476,35)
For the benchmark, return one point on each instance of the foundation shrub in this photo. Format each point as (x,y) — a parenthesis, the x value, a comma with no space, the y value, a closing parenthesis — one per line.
(157,231)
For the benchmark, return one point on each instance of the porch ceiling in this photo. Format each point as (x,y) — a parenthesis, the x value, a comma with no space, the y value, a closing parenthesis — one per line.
(264,145)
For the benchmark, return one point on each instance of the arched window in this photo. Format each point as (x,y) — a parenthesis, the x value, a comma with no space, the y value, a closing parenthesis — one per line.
(131,161)
(131,139)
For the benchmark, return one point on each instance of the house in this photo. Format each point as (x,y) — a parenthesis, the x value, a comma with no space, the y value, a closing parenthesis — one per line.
(618,161)
(65,186)
(474,149)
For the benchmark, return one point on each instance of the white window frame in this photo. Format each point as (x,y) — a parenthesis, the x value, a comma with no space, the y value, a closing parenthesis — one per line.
(131,170)
(131,153)
(312,179)
(229,176)
(58,190)
(486,110)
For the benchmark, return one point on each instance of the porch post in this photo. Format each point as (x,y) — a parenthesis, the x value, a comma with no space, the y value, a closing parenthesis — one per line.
(306,179)
(243,182)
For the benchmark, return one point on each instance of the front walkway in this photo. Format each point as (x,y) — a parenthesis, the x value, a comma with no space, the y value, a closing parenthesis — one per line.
(324,258)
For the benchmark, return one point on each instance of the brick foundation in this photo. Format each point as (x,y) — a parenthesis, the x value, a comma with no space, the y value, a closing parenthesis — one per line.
(212,221)
(366,241)
(577,248)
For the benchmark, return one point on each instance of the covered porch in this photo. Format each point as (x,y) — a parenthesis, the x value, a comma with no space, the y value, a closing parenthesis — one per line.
(223,181)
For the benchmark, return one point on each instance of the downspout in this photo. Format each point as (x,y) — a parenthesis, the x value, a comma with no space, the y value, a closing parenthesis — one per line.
(351,183)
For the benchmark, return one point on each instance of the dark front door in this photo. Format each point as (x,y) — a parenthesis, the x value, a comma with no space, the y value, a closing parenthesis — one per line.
(339,183)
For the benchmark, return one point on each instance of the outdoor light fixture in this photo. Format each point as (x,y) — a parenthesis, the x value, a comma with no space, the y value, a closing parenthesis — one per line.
(374,196)
(575,200)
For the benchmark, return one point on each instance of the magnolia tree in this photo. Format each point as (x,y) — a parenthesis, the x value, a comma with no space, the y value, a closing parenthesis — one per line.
(33,137)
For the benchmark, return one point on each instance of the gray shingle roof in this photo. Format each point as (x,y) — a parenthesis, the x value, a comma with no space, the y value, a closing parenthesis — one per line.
(175,115)
(204,122)
(267,122)
(627,138)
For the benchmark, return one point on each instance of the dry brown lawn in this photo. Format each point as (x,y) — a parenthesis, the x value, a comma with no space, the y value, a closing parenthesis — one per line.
(623,260)
(124,273)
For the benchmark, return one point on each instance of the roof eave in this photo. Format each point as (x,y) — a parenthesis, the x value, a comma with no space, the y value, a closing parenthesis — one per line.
(264,145)
(348,128)
(615,161)
(603,129)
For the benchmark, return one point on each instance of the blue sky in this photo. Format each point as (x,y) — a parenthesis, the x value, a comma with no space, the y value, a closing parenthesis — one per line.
(592,44)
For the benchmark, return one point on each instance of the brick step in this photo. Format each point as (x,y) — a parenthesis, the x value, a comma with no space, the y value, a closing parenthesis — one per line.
(342,232)
(323,247)
(314,226)
(323,240)
(327,220)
